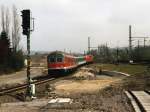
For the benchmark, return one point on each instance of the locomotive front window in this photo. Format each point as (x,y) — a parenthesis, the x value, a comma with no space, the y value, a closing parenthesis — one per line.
(55,58)
(52,60)
(59,59)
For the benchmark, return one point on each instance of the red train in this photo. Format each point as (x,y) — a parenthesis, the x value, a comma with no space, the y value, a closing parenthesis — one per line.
(62,62)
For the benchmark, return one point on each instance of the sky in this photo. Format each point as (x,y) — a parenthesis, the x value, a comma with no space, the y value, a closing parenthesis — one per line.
(67,24)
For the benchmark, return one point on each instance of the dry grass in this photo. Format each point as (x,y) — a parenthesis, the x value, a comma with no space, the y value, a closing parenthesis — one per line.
(127,68)
(140,81)
(107,100)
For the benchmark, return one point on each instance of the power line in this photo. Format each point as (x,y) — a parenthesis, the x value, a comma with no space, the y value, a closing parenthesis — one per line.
(131,39)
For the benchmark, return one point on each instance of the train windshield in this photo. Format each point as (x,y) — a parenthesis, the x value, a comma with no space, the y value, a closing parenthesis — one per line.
(55,58)
(51,59)
(59,59)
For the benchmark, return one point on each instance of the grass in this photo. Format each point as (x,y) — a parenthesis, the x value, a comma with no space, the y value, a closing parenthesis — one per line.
(138,82)
(126,68)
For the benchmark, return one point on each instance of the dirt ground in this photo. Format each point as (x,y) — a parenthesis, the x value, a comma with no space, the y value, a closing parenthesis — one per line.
(38,66)
(33,106)
(90,91)
(86,80)
(18,77)
(85,86)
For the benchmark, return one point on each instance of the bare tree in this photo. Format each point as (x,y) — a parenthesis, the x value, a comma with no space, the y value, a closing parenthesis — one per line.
(2,18)
(15,30)
(5,25)
(5,20)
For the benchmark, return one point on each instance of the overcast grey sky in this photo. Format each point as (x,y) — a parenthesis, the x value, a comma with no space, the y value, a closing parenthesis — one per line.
(67,24)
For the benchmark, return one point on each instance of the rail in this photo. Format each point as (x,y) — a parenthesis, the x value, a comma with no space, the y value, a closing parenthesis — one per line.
(140,100)
(23,86)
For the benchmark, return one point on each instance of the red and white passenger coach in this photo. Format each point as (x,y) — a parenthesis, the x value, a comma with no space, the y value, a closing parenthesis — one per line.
(62,62)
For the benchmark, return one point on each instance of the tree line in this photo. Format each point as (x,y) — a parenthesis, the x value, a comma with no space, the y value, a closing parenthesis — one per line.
(11,55)
(105,54)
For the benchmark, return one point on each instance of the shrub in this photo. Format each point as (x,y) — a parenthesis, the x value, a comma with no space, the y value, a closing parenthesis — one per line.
(17,60)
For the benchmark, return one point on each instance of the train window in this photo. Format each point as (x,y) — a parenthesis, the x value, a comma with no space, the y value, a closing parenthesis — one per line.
(55,58)
(59,59)
(51,59)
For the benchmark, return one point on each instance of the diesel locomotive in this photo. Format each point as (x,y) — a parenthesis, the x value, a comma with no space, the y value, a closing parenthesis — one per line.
(61,62)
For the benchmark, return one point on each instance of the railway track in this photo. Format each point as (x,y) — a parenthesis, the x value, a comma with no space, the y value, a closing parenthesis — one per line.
(140,100)
(23,86)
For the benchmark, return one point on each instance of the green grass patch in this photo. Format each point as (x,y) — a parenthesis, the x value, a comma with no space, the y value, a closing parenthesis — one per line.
(126,68)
